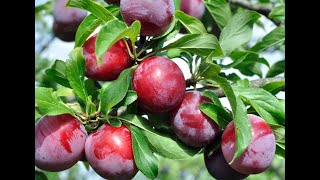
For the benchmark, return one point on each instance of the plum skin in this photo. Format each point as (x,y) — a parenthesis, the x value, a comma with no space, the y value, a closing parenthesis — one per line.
(66,20)
(115,60)
(159,83)
(260,152)
(59,142)
(155,16)
(193,8)
(116,2)
(190,125)
(218,167)
(109,152)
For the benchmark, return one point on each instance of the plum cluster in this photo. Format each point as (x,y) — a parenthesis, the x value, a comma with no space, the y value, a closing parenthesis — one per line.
(61,140)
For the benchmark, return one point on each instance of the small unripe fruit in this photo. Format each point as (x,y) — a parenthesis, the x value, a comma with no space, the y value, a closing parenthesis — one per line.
(159,83)
(59,142)
(260,152)
(190,125)
(109,152)
(66,20)
(155,16)
(115,60)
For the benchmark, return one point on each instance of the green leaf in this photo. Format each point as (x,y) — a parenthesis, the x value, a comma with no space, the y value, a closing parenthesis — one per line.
(243,83)
(86,165)
(276,69)
(93,7)
(249,68)
(112,32)
(37,116)
(169,147)
(137,121)
(75,68)
(57,72)
(45,6)
(177,4)
(199,44)
(40,176)
(192,24)
(278,13)
(49,103)
(63,91)
(280,150)
(208,69)
(91,107)
(216,113)
(265,100)
(145,160)
(241,120)
(92,88)
(220,11)
(239,56)
(274,87)
(279,132)
(115,91)
(114,122)
(238,30)
(87,26)
(276,36)
(130,97)
(263,113)
(212,95)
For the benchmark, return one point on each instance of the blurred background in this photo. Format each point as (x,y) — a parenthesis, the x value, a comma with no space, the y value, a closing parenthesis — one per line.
(48,48)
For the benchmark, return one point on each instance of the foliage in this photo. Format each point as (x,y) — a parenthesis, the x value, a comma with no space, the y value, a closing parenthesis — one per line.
(64,82)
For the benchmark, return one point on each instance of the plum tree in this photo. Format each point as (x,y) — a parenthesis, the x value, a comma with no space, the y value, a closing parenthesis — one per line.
(190,125)
(66,20)
(59,142)
(109,152)
(159,83)
(114,62)
(193,8)
(116,2)
(259,154)
(217,165)
(155,16)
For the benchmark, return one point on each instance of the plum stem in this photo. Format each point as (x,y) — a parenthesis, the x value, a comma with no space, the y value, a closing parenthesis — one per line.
(129,51)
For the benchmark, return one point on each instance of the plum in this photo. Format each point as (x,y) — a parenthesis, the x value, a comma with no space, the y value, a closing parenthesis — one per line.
(109,152)
(115,60)
(59,142)
(190,125)
(155,16)
(66,20)
(193,8)
(217,165)
(159,83)
(260,152)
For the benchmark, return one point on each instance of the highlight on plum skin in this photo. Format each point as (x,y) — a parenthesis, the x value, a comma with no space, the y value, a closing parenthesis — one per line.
(59,142)
(260,152)
(109,152)
(217,165)
(159,83)
(190,125)
(115,60)
(155,16)
(66,20)
(193,8)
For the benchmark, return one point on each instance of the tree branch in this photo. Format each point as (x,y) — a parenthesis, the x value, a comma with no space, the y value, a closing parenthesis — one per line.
(254,7)
(254,83)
